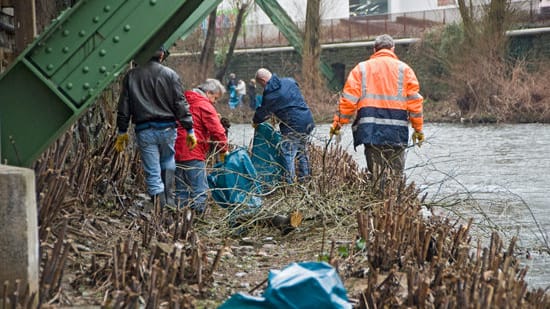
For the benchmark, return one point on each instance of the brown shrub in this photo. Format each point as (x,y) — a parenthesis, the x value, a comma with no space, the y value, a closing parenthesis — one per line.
(491,89)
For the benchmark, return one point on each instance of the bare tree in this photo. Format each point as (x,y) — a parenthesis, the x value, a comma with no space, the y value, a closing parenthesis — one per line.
(497,20)
(311,54)
(466,12)
(489,33)
(242,7)
(25,24)
(207,55)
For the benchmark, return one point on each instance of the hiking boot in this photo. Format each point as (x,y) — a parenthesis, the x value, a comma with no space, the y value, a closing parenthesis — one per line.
(159,201)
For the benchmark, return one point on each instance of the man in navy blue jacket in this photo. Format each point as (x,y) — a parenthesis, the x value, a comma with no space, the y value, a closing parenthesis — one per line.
(282,97)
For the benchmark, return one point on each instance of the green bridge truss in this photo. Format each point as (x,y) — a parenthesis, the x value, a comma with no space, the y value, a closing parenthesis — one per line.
(82,52)
(64,70)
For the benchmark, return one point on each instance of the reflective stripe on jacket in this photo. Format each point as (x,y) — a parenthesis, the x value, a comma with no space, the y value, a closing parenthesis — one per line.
(382,94)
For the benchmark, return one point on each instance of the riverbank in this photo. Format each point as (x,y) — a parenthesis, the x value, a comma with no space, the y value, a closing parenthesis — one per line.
(387,252)
(435,112)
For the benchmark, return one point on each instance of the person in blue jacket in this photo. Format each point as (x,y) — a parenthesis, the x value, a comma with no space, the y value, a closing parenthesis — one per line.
(282,97)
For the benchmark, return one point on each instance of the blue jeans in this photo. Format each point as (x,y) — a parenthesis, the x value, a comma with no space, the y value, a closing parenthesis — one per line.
(156,147)
(191,184)
(294,149)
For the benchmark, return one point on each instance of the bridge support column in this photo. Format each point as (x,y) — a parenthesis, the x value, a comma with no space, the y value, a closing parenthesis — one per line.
(19,242)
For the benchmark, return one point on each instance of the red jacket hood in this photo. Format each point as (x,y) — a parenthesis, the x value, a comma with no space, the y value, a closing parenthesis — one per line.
(207,127)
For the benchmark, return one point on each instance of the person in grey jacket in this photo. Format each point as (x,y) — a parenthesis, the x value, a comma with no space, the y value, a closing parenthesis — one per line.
(152,98)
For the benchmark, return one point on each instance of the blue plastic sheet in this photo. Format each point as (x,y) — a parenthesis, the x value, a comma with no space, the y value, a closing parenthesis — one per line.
(299,285)
(234,183)
(266,155)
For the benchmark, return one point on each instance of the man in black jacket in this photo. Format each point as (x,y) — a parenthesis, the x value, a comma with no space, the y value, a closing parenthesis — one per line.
(152,98)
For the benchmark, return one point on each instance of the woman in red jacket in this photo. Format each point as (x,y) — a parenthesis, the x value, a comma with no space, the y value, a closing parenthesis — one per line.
(191,182)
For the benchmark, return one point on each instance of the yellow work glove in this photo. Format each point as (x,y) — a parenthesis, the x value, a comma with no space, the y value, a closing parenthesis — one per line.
(121,141)
(191,140)
(418,138)
(254,125)
(334,129)
(222,157)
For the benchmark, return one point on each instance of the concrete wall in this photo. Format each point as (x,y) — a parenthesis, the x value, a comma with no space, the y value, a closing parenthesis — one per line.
(286,62)
(19,258)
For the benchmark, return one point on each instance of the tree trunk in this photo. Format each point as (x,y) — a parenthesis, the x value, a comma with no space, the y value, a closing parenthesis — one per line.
(229,56)
(311,55)
(25,24)
(467,20)
(497,21)
(207,54)
(46,10)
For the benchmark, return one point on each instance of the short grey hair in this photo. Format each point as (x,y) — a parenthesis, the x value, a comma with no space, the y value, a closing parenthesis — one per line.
(383,41)
(213,86)
(263,74)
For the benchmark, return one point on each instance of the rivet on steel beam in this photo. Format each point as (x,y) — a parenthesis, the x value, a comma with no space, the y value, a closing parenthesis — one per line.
(85,69)
(96,19)
(127,28)
(153,2)
(102,69)
(116,39)
(48,50)
(65,49)
(66,32)
(86,86)
(82,33)
(107,8)
(50,66)
(69,86)
(102,52)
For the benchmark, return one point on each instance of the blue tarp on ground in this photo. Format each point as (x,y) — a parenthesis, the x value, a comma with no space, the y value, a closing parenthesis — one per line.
(299,285)
(234,183)
(237,183)
(266,155)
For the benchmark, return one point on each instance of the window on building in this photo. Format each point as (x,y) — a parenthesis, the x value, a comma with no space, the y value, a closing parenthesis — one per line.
(445,2)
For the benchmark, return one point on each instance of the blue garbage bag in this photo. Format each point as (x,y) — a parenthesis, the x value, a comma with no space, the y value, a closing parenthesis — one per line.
(258,101)
(299,285)
(266,155)
(234,183)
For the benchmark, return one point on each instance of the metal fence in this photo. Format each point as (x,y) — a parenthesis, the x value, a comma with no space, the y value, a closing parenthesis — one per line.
(360,28)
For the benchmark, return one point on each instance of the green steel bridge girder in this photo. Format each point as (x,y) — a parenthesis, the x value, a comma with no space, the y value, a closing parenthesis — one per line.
(292,33)
(202,11)
(84,50)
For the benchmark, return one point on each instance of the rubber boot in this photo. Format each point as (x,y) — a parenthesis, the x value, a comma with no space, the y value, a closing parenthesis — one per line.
(169,180)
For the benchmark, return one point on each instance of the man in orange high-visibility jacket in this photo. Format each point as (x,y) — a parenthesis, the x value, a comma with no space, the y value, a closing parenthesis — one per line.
(382,94)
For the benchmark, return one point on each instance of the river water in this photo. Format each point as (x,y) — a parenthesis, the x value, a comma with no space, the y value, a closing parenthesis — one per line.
(499,172)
